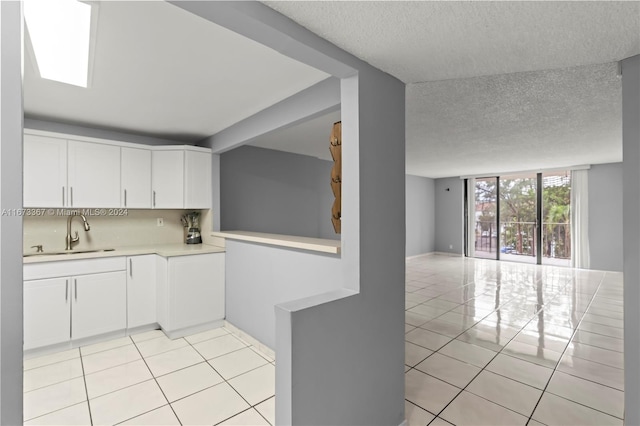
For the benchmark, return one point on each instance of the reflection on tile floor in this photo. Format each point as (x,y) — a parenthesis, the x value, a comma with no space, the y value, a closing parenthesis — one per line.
(486,343)
(148,379)
(500,343)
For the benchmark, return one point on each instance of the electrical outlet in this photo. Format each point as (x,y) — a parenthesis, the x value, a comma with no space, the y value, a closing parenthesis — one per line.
(450,246)
(160,221)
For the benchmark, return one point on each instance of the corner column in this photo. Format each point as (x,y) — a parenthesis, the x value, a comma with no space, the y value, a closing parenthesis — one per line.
(11,117)
(631,223)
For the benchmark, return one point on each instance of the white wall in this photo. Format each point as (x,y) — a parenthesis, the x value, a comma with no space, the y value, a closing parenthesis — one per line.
(449,199)
(605,216)
(273,278)
(420,212)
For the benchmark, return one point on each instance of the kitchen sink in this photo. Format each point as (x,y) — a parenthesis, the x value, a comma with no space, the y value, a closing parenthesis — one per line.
(67,252)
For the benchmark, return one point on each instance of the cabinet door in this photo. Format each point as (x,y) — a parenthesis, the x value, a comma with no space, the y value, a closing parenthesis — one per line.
(197,180)
(141,290)
(196,289)
(94,175)
(47,312)
(167,171)
(45,171)
(99,304)
(136,178)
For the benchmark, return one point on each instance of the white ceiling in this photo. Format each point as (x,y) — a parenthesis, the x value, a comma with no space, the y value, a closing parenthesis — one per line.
(308,138)
(493,86)
(162,71)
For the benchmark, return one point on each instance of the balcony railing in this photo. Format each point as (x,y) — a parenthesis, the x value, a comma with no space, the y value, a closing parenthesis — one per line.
(520,238)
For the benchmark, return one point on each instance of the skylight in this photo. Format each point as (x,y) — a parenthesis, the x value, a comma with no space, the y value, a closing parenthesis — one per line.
(60,32)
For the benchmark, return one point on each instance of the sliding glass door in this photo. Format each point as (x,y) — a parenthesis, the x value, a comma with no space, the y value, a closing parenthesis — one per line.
(518,210)
(556,218)
(485,217)
(520,217)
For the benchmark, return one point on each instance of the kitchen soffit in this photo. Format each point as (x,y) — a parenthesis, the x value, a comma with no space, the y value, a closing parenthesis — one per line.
(161,71)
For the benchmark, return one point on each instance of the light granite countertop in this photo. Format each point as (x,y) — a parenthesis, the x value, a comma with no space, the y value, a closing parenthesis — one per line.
(291,241)
(165,250)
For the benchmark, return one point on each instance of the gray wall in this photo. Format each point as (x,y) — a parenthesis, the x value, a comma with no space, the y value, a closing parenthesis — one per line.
(449,215)
(420,210)
(273,278)
(605,216)
(264,190)
(631,223)
(11,225)
(91,132)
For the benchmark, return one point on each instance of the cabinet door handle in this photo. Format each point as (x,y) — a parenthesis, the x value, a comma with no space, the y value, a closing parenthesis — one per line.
(66,290)
(63,196)
(130,268)
(75,284)
(125,198)
(71,196)
(154,198)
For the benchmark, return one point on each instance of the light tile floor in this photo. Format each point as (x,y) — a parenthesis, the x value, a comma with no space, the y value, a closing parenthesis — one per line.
(148,379)
(486,343)
(500,343)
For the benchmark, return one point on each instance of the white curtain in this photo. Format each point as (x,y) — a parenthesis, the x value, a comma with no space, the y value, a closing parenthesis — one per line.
(471,220)
(579,219)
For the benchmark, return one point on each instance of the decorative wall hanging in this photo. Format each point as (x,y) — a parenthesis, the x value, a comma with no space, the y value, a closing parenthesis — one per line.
(335,146)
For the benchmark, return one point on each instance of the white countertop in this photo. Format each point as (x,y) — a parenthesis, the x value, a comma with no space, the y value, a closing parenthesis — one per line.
(165,250)
(291,241)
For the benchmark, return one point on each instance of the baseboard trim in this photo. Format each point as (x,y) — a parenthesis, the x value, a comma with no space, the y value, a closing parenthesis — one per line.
(444,253)
(417,256)
(243,335)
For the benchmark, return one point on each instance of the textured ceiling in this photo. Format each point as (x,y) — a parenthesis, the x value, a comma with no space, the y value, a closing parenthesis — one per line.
(512,122)
(162,71)
(498,86)
(437,40)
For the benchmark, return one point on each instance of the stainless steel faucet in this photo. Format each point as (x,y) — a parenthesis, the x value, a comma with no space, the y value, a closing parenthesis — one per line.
(69,239)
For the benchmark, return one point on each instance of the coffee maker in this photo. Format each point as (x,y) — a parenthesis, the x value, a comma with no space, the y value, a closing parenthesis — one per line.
(193,236)
(191,221)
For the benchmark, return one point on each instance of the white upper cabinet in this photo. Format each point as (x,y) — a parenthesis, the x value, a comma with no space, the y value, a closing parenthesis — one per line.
(94,174)
(197,180)
(181,177)
(45,171)
(136,178)
(167,171)
(97,173)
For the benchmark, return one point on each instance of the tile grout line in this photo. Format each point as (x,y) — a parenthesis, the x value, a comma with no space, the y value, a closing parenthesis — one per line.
(227,381)
(484,368)
(575,330)
(86,389)
(157,384)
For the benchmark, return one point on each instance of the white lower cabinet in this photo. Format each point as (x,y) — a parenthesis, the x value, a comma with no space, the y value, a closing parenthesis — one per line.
(47,312)
(64,301)
(70,300)
(190,292)
(99,304)
(141,290)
